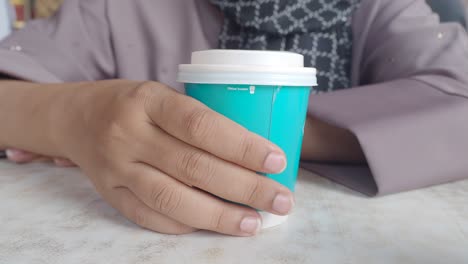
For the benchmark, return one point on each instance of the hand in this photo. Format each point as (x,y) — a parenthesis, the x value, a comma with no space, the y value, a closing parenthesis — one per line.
(164,159)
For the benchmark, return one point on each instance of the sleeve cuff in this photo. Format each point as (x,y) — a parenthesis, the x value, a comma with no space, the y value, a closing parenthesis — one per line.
(413,135)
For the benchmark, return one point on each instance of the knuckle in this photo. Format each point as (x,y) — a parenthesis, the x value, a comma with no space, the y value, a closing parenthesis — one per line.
(143,90)
(246,147)
(217,218)
(166,199)
(139,94)
(199,125)
(166,106)
(253,192)
(195,168)
(145,94)
(140,216)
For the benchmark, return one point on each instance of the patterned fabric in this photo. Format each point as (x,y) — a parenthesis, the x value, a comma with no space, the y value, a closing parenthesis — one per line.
(318,29)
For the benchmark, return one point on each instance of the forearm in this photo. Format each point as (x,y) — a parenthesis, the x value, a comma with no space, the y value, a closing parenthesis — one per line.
(323,142)
(28,113)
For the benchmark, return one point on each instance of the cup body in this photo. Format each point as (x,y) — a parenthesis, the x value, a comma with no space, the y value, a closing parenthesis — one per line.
(276,113)
(266,92)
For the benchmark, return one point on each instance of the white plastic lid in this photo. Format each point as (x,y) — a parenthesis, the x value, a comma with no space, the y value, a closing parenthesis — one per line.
(272,220)
(247,67)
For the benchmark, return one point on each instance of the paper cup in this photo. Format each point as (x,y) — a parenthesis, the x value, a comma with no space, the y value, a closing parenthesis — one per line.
(267,92)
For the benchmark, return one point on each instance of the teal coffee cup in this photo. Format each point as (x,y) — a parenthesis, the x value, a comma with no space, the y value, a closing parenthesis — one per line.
(267,92)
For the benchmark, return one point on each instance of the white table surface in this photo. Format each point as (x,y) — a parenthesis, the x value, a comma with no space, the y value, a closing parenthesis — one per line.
(53,215)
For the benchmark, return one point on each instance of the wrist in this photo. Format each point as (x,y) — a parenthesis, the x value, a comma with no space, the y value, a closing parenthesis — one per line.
(327,143)
(65,123)
(79,111)
(26,117)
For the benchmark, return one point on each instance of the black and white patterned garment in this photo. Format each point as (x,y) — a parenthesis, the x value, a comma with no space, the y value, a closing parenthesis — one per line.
(318,29)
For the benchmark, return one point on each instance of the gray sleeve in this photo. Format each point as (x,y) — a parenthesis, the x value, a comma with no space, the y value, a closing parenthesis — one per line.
(73,45)
(410,113)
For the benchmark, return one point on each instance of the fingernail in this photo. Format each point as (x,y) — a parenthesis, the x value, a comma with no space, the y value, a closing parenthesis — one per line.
(251,225)
(275,163)
(13,153)
(283,204)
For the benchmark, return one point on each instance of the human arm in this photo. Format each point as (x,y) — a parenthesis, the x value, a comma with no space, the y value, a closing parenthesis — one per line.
(410,111)
(97,123)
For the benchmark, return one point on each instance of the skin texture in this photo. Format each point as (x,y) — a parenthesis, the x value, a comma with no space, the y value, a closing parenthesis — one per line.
(145,147)
(154,153)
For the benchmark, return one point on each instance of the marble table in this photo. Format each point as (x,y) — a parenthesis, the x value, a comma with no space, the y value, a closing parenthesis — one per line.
(53,215)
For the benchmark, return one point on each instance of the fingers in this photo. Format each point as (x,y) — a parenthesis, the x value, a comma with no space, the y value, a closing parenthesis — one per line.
(131,207)
(198,168)
(191,206)
(64,162)
(20,156)
(199,126)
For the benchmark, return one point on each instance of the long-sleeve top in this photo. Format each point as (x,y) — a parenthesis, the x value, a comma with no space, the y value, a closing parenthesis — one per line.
(408,105)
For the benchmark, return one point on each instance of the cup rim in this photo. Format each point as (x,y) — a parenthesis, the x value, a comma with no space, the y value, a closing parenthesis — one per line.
(247,67)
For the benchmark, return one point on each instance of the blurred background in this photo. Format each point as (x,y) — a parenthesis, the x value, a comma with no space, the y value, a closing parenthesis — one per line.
(43,8)
(15,13)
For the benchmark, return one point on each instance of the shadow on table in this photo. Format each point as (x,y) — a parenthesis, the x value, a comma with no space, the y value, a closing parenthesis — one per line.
(73,195)
(346,178)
